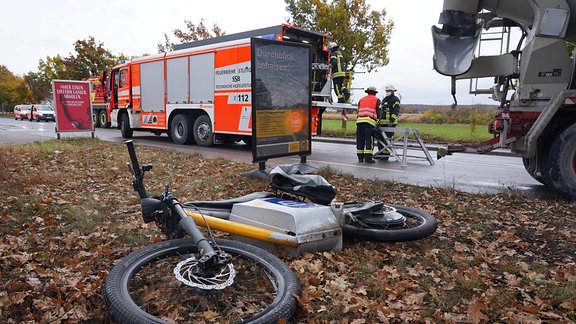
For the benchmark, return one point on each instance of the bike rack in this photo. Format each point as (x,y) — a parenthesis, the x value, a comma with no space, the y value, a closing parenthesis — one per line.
(401,143)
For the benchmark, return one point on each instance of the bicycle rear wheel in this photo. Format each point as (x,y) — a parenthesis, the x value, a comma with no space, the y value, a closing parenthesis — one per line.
(412,224)
(143,289)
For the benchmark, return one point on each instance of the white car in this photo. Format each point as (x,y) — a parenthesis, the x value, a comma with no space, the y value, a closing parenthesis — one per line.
(20,111)
(42,112)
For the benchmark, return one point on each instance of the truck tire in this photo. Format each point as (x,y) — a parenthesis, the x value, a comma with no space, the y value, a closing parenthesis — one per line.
(180,130)
(95,119)
(103,119)
(203,133)
(125,129)
(561,164)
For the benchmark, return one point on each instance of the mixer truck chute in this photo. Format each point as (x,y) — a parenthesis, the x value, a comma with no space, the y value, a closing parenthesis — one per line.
(534,82)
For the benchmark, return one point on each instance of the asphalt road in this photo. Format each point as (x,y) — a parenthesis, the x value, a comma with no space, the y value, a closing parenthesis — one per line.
(474,173)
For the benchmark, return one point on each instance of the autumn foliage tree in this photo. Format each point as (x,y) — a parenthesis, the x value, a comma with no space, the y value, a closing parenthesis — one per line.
(363,34)
(90,58)
(192,33)
(13,90)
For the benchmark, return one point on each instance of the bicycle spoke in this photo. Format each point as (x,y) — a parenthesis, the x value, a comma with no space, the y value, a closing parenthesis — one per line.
(156,290)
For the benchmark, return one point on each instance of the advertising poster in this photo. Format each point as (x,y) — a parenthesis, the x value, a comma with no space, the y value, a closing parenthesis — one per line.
(281,115)
(72,100)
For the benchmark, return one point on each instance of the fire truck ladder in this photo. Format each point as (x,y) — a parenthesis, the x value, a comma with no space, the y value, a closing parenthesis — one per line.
(402,142)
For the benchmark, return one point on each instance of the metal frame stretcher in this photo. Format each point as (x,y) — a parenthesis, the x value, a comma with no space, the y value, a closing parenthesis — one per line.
(391,145)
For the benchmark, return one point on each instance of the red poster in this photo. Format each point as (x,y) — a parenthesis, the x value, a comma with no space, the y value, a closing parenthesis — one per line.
(73,105)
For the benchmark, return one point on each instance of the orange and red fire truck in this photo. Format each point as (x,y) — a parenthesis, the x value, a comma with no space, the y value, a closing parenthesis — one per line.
(100,109)
(201,92)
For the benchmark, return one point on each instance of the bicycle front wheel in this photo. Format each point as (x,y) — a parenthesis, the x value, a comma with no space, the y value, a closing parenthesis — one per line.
(143,289)
(413,224)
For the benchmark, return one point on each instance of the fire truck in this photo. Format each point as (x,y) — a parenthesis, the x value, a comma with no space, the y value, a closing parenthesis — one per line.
(100,110)
(200,93)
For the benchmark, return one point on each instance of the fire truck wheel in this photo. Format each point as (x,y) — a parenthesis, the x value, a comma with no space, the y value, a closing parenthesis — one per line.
(103,119)
(125,126)
(180,130)
(561,166)
(203,134)
(95,119)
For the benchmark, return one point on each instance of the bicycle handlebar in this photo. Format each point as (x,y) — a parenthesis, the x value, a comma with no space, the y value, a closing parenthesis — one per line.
(137,174)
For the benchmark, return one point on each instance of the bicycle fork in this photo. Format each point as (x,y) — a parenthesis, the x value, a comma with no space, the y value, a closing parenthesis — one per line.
(211,261)
(213,268)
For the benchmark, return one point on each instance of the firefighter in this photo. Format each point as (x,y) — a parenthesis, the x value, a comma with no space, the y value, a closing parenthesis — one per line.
(390,109)
(338,66)
(388,112)
(365,125)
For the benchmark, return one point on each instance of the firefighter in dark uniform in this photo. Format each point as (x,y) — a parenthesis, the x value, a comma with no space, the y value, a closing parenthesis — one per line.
(388,112)
(365,125)
(338,66)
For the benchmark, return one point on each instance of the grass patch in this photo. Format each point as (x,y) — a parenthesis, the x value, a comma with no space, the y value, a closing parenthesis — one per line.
(431,133)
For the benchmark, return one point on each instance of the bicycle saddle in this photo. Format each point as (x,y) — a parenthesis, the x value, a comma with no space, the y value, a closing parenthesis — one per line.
(313,187)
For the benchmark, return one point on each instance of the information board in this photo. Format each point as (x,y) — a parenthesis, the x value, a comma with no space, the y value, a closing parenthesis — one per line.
(73,106)
(281,90)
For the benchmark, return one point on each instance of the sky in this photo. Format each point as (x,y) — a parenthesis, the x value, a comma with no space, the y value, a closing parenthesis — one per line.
(31,30)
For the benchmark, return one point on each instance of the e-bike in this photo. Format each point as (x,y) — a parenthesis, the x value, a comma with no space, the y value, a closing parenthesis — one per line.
(207,279)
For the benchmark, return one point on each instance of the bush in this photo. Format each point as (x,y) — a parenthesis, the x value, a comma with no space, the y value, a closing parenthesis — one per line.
(471,116)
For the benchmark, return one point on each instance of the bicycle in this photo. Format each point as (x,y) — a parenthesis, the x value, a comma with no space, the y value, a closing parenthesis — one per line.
(197,278)
(298,215)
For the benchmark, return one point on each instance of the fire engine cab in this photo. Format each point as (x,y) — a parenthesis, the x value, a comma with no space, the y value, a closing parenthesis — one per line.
(201,92)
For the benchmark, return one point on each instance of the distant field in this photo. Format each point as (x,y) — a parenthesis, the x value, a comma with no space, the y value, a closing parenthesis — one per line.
(445,133)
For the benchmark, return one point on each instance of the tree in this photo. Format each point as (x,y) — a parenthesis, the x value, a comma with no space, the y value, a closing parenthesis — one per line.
(90,59)
(194,33)
(13,90)
(38,88)
(363,34)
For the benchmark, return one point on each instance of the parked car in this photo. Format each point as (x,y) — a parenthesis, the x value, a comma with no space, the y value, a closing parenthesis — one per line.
(42,112)
(20,111)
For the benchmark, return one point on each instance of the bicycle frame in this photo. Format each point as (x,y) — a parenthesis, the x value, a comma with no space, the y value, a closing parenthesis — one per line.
(235,228)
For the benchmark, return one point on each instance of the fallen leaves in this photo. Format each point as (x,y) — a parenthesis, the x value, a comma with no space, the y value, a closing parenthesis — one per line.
(494,258)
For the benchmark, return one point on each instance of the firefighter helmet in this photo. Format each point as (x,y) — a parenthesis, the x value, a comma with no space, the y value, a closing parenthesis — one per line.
(371,90)
(390,87)
(333,45)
